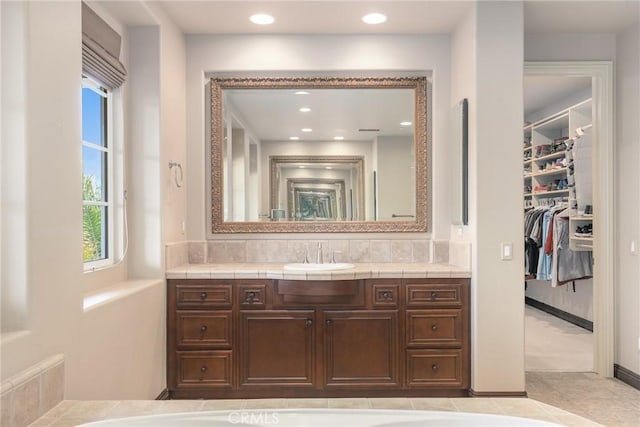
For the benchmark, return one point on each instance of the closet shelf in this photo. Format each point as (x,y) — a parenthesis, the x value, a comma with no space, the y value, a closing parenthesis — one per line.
(556,171)
(528,148)
(550,193)
(550,156)
(582,239)
(582,217)
(528,162)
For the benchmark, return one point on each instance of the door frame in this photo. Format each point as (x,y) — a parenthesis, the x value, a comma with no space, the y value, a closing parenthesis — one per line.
(601,73)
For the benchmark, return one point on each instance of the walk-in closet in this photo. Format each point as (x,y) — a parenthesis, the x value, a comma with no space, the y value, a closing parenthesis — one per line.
(558,223)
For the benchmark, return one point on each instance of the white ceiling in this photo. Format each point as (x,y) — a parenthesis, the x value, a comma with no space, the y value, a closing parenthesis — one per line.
(543,91)
(404,16)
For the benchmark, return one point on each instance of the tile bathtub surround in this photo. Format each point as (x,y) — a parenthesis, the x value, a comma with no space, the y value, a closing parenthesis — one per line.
(33,392)
(294,250)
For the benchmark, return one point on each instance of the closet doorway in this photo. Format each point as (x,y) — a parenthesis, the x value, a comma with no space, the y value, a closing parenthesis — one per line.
(567,202)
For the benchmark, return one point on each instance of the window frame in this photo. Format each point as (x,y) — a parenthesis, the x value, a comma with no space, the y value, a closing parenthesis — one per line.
(109,245)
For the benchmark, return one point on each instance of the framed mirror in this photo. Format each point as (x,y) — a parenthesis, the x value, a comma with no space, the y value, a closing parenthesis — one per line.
(319,155)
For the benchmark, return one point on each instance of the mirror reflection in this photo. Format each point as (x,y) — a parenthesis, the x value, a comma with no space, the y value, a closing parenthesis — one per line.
(317,150)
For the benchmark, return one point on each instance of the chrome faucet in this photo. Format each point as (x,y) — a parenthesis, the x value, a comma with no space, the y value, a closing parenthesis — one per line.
(319,257)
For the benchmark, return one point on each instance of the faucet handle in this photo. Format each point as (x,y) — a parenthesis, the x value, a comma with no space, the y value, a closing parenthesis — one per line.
(333,256)
(306,256)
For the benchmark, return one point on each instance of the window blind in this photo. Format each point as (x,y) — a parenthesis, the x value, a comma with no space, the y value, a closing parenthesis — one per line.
(101,50)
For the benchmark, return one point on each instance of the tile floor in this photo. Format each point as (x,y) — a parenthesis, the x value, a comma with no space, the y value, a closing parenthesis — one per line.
(566,398)
(551,344)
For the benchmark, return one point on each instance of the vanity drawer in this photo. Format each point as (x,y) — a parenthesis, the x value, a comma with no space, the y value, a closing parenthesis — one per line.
(204,296)
(252,296)
(435,294)
(435,368)
(205,368)
(385,294)
(197,329)
(434,328)
(293,293)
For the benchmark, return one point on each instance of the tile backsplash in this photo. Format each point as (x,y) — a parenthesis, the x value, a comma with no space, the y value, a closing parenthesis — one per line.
(295,250)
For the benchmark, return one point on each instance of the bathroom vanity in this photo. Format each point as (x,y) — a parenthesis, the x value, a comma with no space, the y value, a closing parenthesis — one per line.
(322,335)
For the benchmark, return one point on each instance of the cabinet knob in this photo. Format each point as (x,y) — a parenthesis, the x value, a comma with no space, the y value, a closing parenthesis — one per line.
(329,321)
(386,295)
(203,295)
(308,322)
(434,296)
(204,369)
(434,367)
(203,328)
(434,327)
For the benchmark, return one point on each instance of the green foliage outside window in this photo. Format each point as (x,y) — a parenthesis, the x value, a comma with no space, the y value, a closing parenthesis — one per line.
(91,222)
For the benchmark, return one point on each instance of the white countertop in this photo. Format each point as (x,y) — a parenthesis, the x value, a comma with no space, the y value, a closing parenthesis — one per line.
(277,271)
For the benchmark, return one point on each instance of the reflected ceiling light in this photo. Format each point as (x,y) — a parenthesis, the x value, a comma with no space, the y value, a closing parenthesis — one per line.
(328,167)
(262,19)
(306,130)
(305,109)
(374,18)
(301,167)
(302,92)
(338,138)
(294,138)
(405,123)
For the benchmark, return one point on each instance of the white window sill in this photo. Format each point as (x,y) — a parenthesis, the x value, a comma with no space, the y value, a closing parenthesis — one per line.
(116,292)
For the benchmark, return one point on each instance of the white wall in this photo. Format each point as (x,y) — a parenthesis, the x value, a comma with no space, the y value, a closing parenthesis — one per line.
(627,196)
(120,344)
(396,185)
(496,206)
(343,53)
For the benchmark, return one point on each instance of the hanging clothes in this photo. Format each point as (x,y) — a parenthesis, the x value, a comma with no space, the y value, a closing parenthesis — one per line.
(570,265)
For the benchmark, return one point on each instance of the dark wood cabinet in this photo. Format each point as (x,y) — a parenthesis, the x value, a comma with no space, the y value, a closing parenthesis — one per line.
(287,338)
(361,349)
(278,348)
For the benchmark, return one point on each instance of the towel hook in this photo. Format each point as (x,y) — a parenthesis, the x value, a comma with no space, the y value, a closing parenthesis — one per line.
(178,167)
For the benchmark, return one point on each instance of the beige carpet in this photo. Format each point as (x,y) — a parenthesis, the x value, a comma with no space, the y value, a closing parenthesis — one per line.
(551,344)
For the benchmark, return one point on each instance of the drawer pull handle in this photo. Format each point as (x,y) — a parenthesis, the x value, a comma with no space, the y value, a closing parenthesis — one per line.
(203,328)
(203,296)
(434,367)
(308,322)
(434,327)
(204,369)
(434,296)
(251,296)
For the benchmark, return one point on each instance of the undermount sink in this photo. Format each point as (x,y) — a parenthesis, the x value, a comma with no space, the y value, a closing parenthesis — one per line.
(299,266)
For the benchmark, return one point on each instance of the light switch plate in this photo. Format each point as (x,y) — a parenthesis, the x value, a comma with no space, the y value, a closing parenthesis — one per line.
(506,251)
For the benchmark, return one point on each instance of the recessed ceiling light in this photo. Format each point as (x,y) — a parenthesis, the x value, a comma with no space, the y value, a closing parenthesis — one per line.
(338,138)
(306,130)
(302,92)
(305,109)
(405,123)
(294,138)
(262,19)
(374,18)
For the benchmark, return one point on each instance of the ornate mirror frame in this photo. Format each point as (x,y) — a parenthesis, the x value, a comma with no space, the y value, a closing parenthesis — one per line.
(422,220)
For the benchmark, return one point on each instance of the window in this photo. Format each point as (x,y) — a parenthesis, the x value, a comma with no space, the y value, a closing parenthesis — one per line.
(97,175)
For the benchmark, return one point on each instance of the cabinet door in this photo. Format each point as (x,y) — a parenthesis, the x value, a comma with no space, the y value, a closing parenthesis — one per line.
(277,348)
(361,348)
